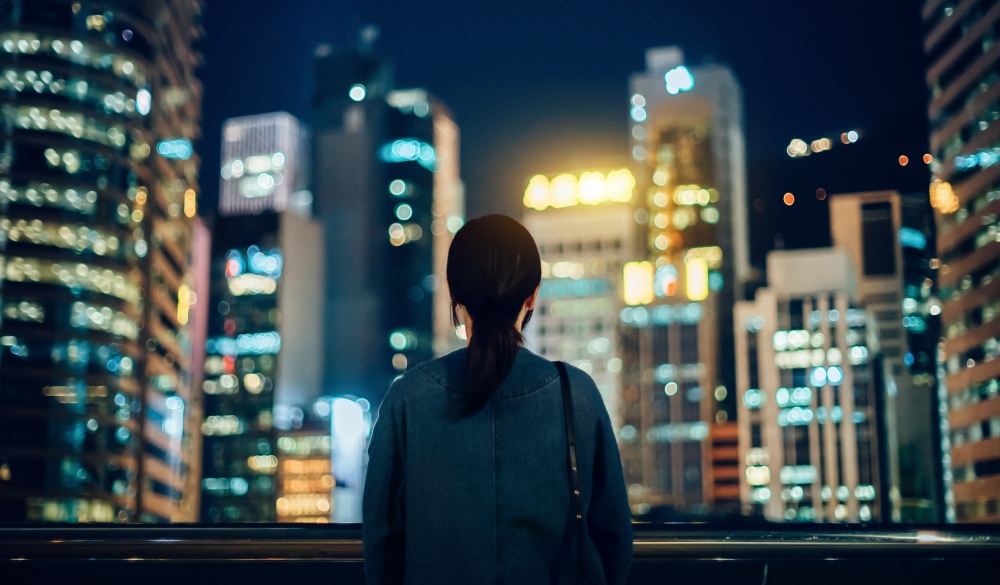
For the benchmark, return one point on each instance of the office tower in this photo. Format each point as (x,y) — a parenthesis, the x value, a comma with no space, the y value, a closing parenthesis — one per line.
(809,381)
(263,369)
(890,240)
(962,74)
(304,474)
(387,192)
(98,191)
(585,233)
(687,146)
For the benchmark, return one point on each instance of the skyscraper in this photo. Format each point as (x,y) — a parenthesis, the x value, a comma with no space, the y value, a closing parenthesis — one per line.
(98,191)
(689,164)
(263,368)
(387,191)
(962,73)
(809,381)
(890,240)
(585,234)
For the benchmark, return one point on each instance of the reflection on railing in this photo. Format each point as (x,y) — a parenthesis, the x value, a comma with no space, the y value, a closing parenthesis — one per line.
(674,553)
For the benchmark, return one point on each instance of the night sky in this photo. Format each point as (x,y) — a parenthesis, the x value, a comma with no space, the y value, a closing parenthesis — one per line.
(542,87)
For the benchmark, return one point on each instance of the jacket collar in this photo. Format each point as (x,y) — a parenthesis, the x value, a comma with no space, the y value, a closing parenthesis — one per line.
(529,373)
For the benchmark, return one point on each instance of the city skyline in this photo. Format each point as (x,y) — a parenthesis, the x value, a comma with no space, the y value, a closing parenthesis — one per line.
(205,318)
(524,98)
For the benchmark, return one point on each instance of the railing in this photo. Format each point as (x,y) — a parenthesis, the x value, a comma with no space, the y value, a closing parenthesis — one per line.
(664,553)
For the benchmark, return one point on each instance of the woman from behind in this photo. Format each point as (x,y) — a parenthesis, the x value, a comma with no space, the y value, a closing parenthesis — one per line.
(469,476)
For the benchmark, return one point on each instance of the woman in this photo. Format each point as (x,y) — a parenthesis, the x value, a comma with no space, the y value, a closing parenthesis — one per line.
(468,475)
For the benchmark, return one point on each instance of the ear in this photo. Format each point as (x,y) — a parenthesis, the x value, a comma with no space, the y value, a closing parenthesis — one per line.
(529,303)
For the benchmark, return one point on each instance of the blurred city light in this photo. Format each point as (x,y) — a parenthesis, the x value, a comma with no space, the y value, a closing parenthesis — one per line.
(637,283)
(678,79)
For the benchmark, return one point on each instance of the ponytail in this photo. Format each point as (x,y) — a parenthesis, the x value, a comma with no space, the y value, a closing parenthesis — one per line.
(492,350)
(493,268)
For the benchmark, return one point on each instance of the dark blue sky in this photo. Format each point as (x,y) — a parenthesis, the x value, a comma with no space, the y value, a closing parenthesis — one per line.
(542,86)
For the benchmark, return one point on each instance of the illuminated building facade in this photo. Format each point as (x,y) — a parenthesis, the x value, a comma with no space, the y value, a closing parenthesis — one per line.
(305,476)
(890,240)
(963,75)
(585,234)
(262,370)
(97,194)
(386,189)
(689,161)
(810,385)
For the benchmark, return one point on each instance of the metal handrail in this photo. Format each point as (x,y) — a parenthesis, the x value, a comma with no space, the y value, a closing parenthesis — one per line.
(282,542)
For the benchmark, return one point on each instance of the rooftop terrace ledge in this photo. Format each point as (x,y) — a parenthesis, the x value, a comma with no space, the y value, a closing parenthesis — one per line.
(653,542)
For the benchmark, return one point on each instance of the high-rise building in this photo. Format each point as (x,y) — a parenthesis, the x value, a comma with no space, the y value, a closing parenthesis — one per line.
(890,240)
(586,233)
(305,479)
(689,164)
(387,192)
(263,368)
(963,74)
(809,382)
(98,191)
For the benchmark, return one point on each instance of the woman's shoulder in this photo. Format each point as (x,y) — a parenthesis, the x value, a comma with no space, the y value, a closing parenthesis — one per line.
(426,377)
(583,387)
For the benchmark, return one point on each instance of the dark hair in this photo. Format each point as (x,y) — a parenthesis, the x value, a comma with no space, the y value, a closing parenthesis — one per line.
(493,267)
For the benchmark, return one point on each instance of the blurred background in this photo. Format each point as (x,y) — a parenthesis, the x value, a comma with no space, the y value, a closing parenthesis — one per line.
(768,233)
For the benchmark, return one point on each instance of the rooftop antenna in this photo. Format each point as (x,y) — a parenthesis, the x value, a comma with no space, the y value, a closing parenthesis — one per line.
(367,36)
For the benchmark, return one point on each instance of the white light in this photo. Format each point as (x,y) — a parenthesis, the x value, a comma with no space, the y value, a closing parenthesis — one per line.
(852,136)
(678,79)
(638,101)
(638,114)
(397,187)
(357,92)
(404,211)
(835,375)
(278,159)
(818,377)
(143,101)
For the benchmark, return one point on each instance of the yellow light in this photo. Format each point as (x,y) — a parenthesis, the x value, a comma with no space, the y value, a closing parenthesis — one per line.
(190,203)
(943,197)
(536,195)
(638,283)
(562,191)
(711,254)
(758,475)
(696,278)
(620,184)
(252,284)
(183,304)
(591,188)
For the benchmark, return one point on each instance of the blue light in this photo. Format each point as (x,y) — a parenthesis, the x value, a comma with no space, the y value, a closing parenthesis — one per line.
(638,114)
(665,275)
(678,79)
(983,158)
(715,280)
(818,377)
(178,148)
(583,287)
(410,149)
(835,375)
(266,263)
(912,238)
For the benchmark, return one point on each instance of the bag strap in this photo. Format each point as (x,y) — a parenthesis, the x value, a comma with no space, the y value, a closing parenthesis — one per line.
(574,473)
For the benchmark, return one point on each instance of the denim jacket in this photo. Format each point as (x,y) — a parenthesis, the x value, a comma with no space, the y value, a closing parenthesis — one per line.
(485,498)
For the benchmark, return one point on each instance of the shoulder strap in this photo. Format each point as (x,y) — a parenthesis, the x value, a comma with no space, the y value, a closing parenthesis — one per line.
(574,473)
